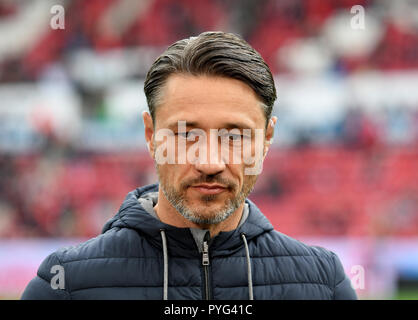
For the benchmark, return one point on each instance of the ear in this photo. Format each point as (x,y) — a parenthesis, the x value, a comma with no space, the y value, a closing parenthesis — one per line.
(149,132)
(269,135)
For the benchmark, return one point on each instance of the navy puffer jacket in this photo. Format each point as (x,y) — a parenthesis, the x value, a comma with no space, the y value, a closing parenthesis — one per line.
(139,257)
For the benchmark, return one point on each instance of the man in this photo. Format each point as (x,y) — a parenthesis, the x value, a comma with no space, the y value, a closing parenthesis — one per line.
(195,235)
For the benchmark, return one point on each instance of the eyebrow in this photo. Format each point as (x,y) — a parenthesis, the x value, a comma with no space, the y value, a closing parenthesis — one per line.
(228,125)
(238,125)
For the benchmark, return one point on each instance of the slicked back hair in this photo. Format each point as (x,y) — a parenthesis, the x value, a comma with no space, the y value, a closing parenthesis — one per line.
(212,54)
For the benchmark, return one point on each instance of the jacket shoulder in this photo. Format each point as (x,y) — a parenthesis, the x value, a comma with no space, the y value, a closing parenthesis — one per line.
(114,243)
(83,265)
(48,282)
(280,244)
(315,264)
(301,247)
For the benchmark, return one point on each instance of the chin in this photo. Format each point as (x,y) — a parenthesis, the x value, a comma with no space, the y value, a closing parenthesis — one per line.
(207,220)
(216,214)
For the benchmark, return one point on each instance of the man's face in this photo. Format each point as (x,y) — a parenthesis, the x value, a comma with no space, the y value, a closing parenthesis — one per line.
(207,188)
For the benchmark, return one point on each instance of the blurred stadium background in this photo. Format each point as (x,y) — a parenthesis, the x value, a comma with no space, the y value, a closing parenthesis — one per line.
(343,169)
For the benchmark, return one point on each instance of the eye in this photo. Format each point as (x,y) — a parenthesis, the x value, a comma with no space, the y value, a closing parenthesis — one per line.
(187,135)
(182,134)
(235,137)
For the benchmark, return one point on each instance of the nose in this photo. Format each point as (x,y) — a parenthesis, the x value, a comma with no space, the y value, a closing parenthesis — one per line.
(214,162)
(210,168)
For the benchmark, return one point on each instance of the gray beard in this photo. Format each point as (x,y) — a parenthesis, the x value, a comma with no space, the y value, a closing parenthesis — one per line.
(180,204)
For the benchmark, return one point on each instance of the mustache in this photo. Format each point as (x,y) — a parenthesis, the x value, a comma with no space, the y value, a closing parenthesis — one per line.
(208,179)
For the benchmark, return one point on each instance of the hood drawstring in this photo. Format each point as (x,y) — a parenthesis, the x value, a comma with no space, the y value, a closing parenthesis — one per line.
(250,278)
(165,255)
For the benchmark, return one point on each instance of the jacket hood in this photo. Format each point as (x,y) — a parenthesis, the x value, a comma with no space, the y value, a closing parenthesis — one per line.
(133,215)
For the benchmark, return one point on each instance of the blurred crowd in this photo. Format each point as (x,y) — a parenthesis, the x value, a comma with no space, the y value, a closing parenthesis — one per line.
(362,181)
(282,31)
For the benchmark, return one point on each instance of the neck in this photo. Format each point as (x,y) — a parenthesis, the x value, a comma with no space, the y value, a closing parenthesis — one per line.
(169,215)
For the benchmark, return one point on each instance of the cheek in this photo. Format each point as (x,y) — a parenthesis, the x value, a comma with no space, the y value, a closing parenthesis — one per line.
(167,173)
(249,183)
(237,172)
(177,174)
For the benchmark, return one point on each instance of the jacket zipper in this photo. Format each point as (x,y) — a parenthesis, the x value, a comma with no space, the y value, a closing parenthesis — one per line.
(205,264)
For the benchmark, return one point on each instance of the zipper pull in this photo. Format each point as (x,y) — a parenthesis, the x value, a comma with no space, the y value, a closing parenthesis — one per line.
(205,254)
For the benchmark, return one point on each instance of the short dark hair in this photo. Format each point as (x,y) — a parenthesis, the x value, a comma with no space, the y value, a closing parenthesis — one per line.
(215,54)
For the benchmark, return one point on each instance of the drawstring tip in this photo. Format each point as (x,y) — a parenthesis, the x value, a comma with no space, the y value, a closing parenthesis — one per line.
(250,278)
(165,257)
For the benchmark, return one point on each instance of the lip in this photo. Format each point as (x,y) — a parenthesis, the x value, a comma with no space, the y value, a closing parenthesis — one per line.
(209,188)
